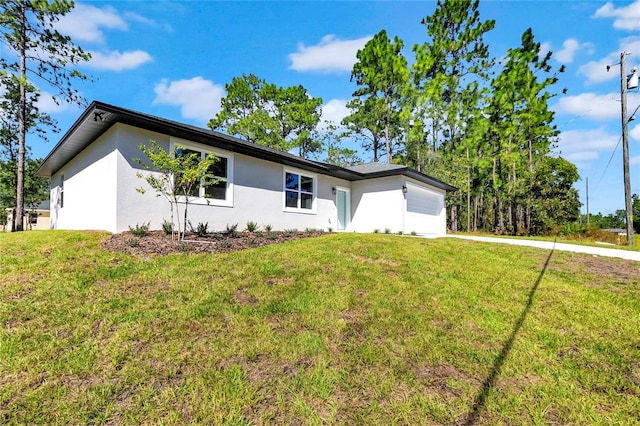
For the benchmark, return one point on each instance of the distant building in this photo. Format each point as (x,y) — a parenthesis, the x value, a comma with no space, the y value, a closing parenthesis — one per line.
(37,218)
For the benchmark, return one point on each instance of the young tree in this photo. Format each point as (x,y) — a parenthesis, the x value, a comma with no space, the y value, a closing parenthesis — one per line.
(27,28)
(177,176)
(278,117)
(382,75)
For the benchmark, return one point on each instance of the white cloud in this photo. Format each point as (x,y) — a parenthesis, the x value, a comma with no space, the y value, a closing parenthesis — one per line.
(330,55)
(198,99)
(634,161)
(335,110)
(589,105)
(596,71)
(625,18)
(47,105)
(569,49)
(84,22)
(634,132)
(117,61)
(583,146)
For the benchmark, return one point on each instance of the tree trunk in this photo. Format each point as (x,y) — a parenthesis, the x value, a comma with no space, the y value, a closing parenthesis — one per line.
(468,193)
(18,218)
(453,217)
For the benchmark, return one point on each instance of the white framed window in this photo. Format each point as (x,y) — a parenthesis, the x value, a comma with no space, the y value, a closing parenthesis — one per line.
(299,189)
(217,194)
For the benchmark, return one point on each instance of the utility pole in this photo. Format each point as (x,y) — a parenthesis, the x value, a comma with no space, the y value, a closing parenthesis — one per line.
(587,201)
(625,148)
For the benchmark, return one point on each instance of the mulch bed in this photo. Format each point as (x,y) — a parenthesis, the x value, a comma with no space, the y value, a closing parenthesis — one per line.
(159,243)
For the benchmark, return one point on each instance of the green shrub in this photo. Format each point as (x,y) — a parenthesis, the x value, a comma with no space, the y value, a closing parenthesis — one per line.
(387,230)
(252,226)
(140,230)
(290,232)
(268,228)
(167,227)
(232,231)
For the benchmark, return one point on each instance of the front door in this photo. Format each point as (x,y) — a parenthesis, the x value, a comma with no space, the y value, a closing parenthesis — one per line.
(344,209)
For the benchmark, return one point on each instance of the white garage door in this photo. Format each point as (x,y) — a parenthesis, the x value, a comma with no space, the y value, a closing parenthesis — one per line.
(424,211)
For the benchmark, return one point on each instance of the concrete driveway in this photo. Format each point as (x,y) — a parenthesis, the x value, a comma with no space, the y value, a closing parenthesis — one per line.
(548,245)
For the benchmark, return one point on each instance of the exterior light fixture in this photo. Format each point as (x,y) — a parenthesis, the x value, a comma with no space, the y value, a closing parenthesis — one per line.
(333,190)
(404,189)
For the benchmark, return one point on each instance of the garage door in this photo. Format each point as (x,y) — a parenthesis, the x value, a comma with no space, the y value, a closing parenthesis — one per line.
(424,208)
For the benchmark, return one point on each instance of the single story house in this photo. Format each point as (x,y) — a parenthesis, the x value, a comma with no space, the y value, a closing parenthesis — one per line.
(34,218)
(95,178)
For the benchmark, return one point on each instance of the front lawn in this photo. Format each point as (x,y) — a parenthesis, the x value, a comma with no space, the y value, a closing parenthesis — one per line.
(338,329)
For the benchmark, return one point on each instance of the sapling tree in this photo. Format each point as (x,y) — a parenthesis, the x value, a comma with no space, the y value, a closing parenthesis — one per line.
(178,176)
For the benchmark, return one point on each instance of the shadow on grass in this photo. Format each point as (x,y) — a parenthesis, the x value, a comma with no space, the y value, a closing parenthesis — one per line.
(489,383)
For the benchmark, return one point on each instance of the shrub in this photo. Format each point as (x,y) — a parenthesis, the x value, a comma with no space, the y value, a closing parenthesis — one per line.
(268,228)
(329,229)
(387,230)
(232,231)
(133,242)
(376,231)
(414,233)
(202,229)
(140,230)
(400,232)
(167,227)
(290,232)
(252,226)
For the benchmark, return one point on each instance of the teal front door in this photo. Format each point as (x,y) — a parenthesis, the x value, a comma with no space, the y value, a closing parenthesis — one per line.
(342,205)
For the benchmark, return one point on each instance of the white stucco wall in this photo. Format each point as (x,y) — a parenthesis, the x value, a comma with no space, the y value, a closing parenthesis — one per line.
(380,204)
(257,189)
(101,192)
(89,189)
(425,209)
(377,204)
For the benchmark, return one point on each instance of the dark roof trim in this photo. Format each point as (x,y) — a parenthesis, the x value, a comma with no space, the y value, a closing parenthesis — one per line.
(100,117)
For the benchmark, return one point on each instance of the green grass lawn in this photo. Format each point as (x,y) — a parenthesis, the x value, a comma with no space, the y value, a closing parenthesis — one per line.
(339,329)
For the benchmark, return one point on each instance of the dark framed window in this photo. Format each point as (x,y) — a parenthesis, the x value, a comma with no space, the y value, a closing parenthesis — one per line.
(298,191)
(220,169)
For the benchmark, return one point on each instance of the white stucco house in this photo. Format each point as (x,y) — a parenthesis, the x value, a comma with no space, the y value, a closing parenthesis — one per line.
(94,183)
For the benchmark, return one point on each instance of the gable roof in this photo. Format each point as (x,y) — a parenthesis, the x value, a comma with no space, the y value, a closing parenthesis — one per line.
(100,117)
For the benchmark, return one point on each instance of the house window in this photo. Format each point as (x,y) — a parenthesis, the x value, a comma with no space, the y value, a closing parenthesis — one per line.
(299,191)
(219,193)
(62,191)
(33,218)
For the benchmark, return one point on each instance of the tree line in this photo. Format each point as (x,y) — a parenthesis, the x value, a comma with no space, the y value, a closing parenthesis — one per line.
(453,112)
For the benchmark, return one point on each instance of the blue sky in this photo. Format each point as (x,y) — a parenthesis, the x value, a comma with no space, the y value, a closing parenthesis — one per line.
(173,58)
